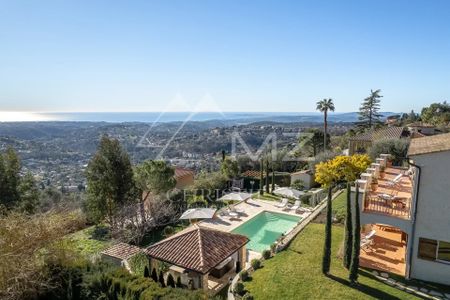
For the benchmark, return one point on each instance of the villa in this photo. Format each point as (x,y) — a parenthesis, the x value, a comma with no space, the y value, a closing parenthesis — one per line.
(405,212)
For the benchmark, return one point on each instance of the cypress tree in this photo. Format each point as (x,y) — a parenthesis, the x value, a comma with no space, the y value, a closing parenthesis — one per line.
(326,260)
(267,175)
(161,279)
(273,181)
(154,275)
(348,242)
(261,177)
(146,272)
(170,281)
(354,264)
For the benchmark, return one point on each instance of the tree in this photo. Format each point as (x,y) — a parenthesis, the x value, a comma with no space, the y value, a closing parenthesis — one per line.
(29,194)
(153,177)
(314,141)
(154,275)
(436,114)
(273,180)
(341,169)
(229,168)
(10,178)
(368,112)
(348,234)
(170,281)
(326,259)
(324,106)
(354,264)
(109,180)
(261,176)
(267,175)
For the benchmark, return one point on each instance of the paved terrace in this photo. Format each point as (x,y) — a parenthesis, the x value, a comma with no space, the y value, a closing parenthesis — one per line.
(400,205)
(250,208)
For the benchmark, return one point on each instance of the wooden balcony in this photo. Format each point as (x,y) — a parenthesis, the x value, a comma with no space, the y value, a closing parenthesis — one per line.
(388,198)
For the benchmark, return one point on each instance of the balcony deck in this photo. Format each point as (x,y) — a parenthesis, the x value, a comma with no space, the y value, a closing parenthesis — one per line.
(400,204)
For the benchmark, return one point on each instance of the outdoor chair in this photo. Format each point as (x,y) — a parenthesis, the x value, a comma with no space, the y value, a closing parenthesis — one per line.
(282,203)
(296,206)
(395,181)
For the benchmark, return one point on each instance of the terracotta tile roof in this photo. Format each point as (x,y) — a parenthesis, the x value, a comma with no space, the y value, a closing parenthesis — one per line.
(385,133)
(197,248)
(181,172)
(430,144)
(122,251)
(252,173)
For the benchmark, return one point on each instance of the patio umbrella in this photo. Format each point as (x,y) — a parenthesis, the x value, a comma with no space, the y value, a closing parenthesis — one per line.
(288,192)
(198,213)
(235,197)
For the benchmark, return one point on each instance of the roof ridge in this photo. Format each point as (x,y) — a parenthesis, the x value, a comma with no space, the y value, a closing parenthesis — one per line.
(200,247)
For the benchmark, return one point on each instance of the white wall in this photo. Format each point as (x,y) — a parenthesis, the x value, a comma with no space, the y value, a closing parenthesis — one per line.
(433,213)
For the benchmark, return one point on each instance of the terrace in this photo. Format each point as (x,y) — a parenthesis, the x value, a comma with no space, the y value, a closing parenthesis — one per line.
(391,194)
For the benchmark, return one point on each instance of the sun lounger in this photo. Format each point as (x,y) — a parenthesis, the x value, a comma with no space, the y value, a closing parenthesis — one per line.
(370,235)
(395,181)
(283,203)
(295,206)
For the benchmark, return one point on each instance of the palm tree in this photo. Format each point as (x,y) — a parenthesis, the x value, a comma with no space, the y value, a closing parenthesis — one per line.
(324,106)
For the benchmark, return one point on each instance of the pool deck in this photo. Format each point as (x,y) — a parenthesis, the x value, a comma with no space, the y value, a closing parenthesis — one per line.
(250,208)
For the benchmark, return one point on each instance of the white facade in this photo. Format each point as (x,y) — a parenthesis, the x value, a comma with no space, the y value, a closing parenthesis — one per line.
(432,219)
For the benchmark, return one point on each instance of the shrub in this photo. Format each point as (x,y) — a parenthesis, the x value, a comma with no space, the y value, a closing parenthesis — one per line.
(273,247)
(170,281)
(239,288)
(101,233)
(266,254)
(168,231)
(138,263)
(247,296)
(243,275)
(256,264)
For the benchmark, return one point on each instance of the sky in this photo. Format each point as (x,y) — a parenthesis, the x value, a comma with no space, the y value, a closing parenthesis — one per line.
(222,55)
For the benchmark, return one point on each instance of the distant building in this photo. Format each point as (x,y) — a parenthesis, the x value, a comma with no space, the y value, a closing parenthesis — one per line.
(363,142)
(184,177)
(422,128)
(305,176)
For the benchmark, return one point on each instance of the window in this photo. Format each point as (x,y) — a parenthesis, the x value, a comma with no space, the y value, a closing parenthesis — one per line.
(444,251)
(434,250)
(427,249)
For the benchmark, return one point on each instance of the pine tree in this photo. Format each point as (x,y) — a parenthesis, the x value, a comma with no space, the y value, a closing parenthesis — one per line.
(110,181)
(154,275)
(170,281)
(161,279)
(29,194)
(326,260)
(146,272)
(267,175)
(348,230)
(354,264)
(261,177)
(368,112)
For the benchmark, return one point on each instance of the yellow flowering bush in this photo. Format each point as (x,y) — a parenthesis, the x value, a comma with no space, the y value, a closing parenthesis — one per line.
(341,168)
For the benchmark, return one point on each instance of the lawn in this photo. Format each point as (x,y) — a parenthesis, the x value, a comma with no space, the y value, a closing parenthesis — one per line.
(86,243)
(266,196)
(296,273)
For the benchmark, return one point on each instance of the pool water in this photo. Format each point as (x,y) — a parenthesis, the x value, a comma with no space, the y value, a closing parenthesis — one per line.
(265,228)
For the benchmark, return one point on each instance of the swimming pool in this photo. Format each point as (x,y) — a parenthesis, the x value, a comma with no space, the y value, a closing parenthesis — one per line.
(265,228)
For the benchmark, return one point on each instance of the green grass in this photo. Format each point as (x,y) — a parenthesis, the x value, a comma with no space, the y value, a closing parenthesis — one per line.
(340,206)
(266,196)
(84,242)
(296,273)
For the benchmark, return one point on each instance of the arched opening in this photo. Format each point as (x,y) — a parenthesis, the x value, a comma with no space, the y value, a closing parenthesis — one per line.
(383,248)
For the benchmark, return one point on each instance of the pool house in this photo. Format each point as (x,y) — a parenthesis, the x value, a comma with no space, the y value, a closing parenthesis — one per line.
(199,257)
